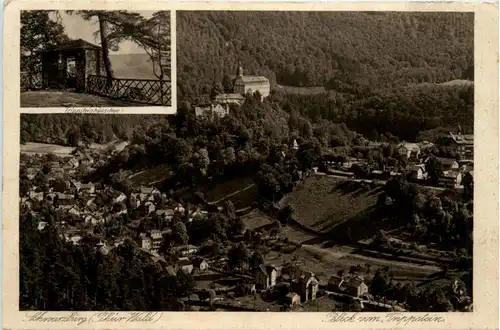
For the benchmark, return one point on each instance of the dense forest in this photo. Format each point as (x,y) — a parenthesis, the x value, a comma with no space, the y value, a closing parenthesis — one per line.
(343,51)
(424,112)
(70,129)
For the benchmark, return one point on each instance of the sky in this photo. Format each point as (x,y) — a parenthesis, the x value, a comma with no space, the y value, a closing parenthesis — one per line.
(78,28)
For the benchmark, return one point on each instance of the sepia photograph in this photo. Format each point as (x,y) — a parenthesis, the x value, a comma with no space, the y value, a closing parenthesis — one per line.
(95,58)
(318,162)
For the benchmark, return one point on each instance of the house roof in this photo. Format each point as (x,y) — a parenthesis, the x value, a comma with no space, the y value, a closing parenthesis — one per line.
(184,262)
(255,219)
(198,261)
(64,196)
(227,96)
(252,79)
(147,190)
(415,168)
(451,174)
(409,146)
(171,271)
(263,269)
(73,45)
(291,294)
(446,161)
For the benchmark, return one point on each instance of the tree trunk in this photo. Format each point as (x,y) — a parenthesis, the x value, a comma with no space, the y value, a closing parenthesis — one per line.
(105,50)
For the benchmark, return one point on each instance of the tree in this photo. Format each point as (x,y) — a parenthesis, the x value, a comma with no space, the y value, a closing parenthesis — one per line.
(256,260)
(468,183)
(38,32)
(154,36)
(238,256)
(433,168)
(114,26)
(179,233)
(285,215)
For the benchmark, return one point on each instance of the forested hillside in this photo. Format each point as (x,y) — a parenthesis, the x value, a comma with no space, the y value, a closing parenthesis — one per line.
(344,51)
(69,129)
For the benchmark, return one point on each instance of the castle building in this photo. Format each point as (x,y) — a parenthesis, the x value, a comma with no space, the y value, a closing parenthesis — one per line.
(251,84)
(243,85)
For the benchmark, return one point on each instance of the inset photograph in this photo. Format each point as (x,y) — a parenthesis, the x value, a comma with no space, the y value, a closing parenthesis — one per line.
(92,58)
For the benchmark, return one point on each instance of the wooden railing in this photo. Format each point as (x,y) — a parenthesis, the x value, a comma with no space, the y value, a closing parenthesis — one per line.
(147,91)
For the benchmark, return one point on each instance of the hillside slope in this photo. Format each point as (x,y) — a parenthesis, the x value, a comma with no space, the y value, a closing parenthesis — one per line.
(323,203)
(312,48)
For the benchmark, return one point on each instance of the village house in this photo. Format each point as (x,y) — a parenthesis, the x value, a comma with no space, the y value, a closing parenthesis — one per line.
(463,144)
(36,196)
(171,271)
(180,209)
(148,193)
(74,210)
(230,98)
(418,172)
(352,285)
(167,214)
(31,172)
(75,239)
(466,165)
(200,264)
(212,110)
(379,175)
(265,276)
(73,162)
(306,286)
(198,215)
(145,242)
(55,165)
(42,225)
(88,188)
(64,199)
(57,172)
(156,240)
(185,265)
(408,150)
(450,179)
(119,197)
(292,299)
(86,159)
(448,163)
(185,250)
(91,219)
(150,207)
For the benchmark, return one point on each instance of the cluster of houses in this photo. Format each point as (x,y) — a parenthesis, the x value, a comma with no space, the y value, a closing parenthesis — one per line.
(91,204)
(452,170)
(66,166)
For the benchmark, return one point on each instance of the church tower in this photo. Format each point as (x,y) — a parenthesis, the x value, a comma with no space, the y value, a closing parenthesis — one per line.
(239,72)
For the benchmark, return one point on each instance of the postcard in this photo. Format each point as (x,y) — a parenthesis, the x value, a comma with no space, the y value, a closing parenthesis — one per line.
(224,165)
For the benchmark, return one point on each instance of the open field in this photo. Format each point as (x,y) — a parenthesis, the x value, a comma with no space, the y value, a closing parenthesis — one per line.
(301,90)
(32,148)
(43,99)
(324,202)
(256,219)
(242,192)
(151,176)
